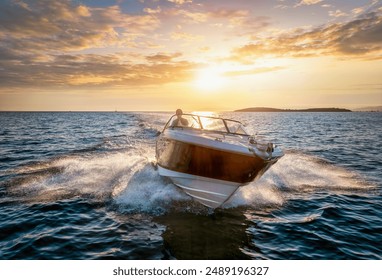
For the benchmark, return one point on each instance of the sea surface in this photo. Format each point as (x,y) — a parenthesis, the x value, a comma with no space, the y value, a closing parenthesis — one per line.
(84,186)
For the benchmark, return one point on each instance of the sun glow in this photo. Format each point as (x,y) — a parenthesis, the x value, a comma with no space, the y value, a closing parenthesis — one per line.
(209,79)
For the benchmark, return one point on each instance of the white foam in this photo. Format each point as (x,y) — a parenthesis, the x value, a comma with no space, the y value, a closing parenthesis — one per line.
(77,175)
(128,178)
(256,196)
(303,171)
(131,181)
(147,191)
(297,174)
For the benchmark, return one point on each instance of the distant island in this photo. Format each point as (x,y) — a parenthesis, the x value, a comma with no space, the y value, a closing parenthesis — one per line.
(370,109)
(266,109)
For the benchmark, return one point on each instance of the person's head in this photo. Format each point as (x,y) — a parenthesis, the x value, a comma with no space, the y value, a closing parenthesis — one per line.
(179,112)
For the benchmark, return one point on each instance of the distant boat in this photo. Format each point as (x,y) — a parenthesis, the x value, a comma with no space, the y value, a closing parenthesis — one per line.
(209,158)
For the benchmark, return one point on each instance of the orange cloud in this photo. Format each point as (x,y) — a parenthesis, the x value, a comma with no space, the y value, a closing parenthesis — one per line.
(361,36)
(95,70)
(252,71)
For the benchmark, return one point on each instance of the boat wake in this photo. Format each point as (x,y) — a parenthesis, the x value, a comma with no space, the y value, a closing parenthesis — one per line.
(71,176)
(124,179)
(129,181)
(298,175)
(146,191)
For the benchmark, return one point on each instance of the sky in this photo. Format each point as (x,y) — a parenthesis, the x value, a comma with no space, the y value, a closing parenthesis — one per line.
(159,55)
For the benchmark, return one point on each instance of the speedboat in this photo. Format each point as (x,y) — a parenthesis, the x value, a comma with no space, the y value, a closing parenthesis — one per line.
(209,158)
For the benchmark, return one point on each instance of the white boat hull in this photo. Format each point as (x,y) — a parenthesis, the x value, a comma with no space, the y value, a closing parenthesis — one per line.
(211,157)
(209,192)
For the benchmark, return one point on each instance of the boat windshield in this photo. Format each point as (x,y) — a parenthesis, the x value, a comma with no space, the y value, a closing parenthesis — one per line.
(235,127)
(207,123)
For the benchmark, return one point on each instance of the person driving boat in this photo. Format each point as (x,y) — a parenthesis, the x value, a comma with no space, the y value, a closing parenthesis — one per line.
(179,121)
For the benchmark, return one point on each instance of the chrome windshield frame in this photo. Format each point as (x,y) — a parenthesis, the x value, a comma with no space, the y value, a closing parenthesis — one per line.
(198,120)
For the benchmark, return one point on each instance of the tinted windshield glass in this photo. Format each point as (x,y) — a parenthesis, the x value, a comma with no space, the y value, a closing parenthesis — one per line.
(184,121)
(213,124)
(206,123)
(235,127)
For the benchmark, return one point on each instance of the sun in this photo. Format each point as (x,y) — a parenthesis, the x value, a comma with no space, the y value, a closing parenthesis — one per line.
(209,79)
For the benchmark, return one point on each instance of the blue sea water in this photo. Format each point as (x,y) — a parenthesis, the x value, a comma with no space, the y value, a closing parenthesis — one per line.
(84,186)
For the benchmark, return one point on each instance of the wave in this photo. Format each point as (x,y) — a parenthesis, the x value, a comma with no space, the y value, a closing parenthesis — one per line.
(146,191)
(130,181)
(71,176)
(291,218)
(302,171)
(298,174)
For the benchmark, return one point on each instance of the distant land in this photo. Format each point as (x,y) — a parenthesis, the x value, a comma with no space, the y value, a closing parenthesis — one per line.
(266,109)
(370,109)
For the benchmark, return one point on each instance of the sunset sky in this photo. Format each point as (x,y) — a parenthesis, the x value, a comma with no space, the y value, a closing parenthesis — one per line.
(96,55)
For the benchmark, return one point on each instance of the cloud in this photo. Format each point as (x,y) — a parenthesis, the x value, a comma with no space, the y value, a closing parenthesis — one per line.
(162,57)
(231,14)
(309,2)
(111,71)
(357,11)
(59,44)
(152,11)
(187,15)
(180,2)
(252,71)
(40,40)
(237,22)
(337,13)
(243,22)
(40,26)
(359,37)
(185,36)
